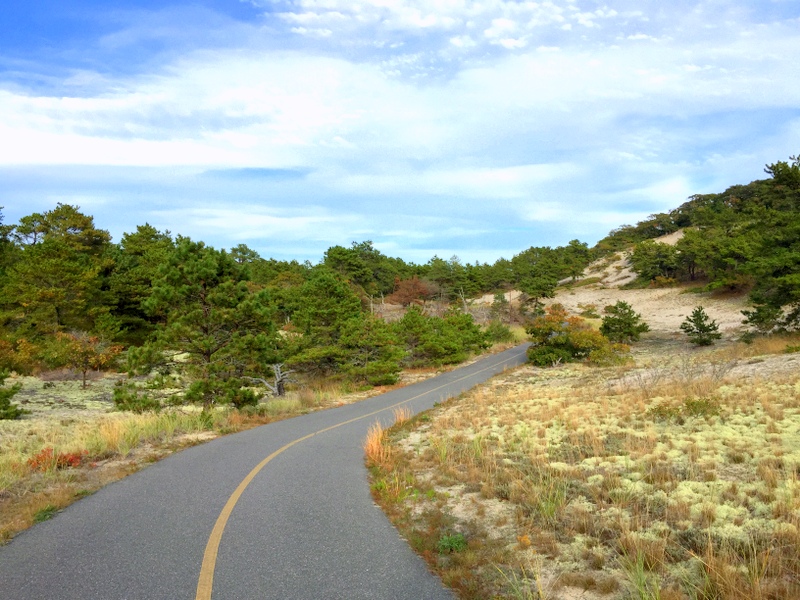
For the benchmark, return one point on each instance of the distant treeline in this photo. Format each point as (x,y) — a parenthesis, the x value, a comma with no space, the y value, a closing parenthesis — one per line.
(60,272)
(69,296)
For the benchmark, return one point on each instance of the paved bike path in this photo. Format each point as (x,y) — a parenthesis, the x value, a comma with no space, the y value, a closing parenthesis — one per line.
(304,527)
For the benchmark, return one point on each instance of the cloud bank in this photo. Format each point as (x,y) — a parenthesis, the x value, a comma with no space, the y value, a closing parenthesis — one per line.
(524,123)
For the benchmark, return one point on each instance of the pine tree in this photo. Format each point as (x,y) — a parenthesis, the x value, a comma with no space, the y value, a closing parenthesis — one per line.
(622,324)
(223,331)
(701,329)
(55,281)
(8,410)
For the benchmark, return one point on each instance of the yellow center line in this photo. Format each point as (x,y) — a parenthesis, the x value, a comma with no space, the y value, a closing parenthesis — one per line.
(206,580)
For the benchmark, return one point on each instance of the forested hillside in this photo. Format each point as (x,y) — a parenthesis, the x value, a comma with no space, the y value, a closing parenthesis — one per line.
(745,239)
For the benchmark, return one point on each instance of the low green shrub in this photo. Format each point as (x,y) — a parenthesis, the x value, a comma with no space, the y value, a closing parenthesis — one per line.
(127,396)
(622,323)
(559,337)
(547,356)
(701,329)
(241,397)
(498,333)
(451,542)
(8,410)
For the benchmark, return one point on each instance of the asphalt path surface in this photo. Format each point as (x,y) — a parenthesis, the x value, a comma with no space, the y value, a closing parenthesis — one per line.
(282,511)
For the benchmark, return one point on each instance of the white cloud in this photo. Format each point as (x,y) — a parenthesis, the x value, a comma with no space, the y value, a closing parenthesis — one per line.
(463,41)
(511,43)
(378,19)
(259,223)
(500,28)
(475,183)
(256,107)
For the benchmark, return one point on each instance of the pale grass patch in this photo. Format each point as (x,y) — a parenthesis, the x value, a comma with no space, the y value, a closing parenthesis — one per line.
(284,406)
(773,344)
(645,462)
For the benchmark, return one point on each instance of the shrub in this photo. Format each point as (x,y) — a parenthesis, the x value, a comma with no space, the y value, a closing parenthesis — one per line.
(85,352)
(380,373)
(609,355)
(557,337)
(663,282)
(589,311)
(766,319)
(48,460)
(369,351)
(700,328)
(652,260)
(501,307)
(498,333)
(434,341)
(701,407)
(547,356)
(7,355)
(622,324)
(692,407)
(8,410)
(241,397)
(128,397)
(585,341)
(408,291)
(450,543)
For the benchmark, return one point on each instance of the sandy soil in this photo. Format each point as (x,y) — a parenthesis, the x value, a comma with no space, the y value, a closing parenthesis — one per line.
(664,309)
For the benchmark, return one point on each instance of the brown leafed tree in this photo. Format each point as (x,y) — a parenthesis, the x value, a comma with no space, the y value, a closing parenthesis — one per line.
(408,291)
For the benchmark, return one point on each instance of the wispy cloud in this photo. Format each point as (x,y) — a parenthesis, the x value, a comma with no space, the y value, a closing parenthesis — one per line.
(261,224)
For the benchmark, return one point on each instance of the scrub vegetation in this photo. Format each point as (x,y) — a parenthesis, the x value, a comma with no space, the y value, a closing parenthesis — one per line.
(216,321)
(672,478)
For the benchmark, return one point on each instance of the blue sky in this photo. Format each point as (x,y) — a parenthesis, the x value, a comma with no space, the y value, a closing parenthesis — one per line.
(431,127)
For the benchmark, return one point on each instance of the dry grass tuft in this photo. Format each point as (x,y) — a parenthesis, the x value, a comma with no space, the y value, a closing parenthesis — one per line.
(375,447)
(401,415)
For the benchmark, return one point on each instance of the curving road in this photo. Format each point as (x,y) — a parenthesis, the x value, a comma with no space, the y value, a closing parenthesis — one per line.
(278,512)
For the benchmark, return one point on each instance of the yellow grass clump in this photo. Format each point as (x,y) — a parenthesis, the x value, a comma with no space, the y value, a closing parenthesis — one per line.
(375,446)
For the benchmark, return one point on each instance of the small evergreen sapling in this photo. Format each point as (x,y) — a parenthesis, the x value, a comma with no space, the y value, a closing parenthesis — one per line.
(622,324)
(8,410)
(701,329)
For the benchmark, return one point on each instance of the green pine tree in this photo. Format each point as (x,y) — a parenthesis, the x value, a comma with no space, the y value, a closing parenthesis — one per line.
(622,324)
(220,329)
(8,410)
(701,329)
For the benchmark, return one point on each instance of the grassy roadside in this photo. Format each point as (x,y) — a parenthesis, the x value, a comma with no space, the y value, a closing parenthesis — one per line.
(72,442)
(676,478)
